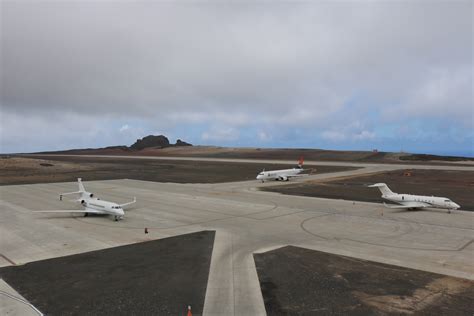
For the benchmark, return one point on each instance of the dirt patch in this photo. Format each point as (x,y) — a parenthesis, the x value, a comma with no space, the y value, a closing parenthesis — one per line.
(160,277)
(298,281)
(421,299)
(456,185)
(65,169)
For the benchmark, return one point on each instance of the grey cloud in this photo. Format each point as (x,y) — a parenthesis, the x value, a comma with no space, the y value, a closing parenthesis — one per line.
(281,63)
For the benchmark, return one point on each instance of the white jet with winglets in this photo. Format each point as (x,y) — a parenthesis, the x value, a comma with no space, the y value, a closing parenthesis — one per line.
(282,175)
(409,201)
(93,205)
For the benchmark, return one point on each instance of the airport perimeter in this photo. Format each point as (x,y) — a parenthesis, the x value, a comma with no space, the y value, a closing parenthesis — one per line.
(246,221)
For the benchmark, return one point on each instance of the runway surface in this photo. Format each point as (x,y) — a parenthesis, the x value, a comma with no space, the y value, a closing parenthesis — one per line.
(464,165)
(246,221)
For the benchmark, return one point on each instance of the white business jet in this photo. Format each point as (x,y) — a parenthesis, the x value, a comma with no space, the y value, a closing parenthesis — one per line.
(282,175)
(93,205)
(409,201)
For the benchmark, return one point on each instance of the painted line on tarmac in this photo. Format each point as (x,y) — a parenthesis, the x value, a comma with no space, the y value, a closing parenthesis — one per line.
(21,301)
(7,259)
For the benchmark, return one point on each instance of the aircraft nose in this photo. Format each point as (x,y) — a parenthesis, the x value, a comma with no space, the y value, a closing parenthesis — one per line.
(259,177)
(456,205)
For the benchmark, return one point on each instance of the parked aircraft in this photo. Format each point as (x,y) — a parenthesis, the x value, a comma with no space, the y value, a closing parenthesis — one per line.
(93,205)
(409,201)
(282,175)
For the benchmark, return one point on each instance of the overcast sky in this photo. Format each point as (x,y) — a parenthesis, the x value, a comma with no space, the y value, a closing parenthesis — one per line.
(392,75)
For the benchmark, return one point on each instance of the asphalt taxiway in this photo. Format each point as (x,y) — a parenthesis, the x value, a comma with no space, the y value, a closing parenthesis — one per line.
(246,221)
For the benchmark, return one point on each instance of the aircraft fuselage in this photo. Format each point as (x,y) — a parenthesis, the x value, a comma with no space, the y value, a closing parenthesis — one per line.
(279,175)
(432,201)
(102,207)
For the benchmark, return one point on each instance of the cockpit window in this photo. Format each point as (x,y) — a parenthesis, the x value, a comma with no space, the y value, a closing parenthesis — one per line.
(447,200)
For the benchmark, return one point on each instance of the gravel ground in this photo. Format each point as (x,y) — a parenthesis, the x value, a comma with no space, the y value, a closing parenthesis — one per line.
(298,281)
(17,170)
(160,277)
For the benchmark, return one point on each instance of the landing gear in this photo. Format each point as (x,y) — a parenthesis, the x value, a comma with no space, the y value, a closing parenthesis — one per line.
(116,218)
(86,214)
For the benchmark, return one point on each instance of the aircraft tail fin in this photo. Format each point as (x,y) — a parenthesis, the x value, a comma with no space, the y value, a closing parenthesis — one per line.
(81,186)
(384,189)
(81,191)
(300,162)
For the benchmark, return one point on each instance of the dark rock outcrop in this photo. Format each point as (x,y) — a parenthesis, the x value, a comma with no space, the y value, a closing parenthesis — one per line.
(160,141)
(179,142)
(152,141)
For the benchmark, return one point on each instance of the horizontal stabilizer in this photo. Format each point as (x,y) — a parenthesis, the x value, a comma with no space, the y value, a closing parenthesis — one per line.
(126,204)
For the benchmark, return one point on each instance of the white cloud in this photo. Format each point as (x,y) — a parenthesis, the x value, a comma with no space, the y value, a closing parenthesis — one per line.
(355,131)
(124,128)
(364,135)
(82,132)
(335,136)
(263,136)
(220,134)
(443,91)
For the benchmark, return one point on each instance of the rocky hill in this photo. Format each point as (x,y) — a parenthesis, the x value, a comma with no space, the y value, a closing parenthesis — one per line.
(146,143)
(179,142)
(152,141)
(160,141)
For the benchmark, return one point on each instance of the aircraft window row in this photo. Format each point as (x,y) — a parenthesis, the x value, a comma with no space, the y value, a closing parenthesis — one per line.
(115,207)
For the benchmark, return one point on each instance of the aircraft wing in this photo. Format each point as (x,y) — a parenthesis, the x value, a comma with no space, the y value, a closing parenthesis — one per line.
(297,175)
(87,210)
(126,204)
(408,205)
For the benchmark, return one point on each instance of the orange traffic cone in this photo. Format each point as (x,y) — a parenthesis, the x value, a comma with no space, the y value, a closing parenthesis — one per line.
(189,311)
